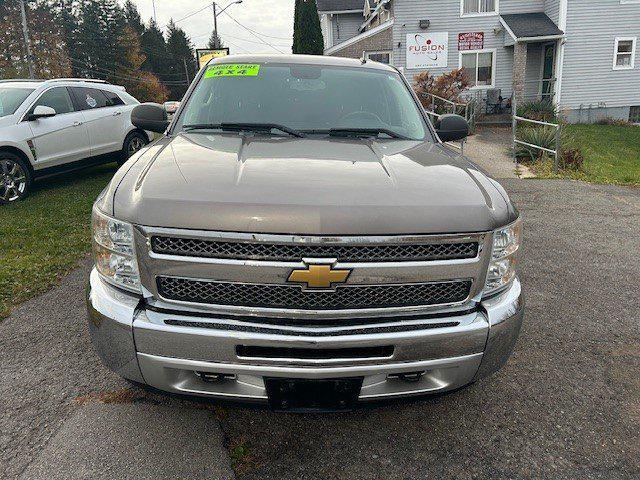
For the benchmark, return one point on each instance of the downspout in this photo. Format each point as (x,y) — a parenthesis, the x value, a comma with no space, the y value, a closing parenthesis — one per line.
(562,24)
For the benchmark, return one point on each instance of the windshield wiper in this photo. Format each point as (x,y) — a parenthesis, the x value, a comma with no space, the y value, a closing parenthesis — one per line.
(236,127)
(365,132)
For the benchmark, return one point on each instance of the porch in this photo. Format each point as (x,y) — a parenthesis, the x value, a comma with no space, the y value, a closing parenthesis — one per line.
(535,45)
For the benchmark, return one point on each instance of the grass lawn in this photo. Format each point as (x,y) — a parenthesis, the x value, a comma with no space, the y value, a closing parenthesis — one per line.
(44,236)
(611,154)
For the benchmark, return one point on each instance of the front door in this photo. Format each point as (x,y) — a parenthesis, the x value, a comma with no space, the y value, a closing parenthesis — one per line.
(547,86)
(60,139)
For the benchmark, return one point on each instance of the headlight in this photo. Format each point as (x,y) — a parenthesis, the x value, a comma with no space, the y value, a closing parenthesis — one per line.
(502,269)
(114,251)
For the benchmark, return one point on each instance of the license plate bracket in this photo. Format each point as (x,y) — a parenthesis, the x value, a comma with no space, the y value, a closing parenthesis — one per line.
(299,394)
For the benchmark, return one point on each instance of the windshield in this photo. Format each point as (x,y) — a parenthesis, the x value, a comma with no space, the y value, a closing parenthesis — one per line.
(307,98)
(11,98)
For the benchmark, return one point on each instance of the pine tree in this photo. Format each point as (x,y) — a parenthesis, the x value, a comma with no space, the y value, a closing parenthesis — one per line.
(180,53)
(132,18)
(215,41)
(307,34)
(100,24)
(65,15)
(154,47)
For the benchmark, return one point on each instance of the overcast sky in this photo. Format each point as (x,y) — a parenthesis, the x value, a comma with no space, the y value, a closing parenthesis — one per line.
(272,18)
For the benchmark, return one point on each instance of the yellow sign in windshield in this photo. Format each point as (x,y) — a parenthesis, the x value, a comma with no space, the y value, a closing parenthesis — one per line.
(232,70)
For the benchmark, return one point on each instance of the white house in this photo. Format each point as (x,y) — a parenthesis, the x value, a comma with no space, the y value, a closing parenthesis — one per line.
(579,53)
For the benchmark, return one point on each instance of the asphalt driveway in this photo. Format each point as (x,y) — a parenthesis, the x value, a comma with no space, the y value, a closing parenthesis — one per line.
(567,405)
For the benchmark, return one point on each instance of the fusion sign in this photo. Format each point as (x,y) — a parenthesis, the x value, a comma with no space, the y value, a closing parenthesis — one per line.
(427,50)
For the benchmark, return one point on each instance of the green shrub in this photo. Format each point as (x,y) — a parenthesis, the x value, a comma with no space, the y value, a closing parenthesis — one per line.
(541,136)
(541,110)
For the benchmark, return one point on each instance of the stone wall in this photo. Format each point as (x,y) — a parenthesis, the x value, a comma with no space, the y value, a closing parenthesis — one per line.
(379,41)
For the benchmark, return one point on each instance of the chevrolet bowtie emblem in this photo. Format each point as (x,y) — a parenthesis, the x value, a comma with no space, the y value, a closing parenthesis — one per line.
(319,276)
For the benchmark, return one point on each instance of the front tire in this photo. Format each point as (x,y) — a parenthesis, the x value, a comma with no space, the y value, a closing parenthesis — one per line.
(15,178)
(134,142)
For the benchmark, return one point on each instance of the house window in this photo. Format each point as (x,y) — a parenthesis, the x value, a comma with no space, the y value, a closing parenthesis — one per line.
(479,66)
(383,56)
(478,7)
(634,114)
(624,54)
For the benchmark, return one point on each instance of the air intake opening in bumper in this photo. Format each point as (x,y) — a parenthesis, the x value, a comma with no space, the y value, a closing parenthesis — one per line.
(314,353)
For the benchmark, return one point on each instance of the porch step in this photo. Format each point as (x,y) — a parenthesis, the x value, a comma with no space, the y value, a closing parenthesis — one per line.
(494,119)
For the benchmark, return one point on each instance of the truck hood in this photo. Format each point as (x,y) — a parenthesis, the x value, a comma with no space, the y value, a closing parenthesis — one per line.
(313,186)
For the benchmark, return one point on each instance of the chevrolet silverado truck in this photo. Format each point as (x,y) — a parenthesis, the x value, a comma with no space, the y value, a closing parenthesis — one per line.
(301,236)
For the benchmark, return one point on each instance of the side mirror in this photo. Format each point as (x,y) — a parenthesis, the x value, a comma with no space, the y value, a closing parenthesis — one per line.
(452,127)
(41,111)
(150,116)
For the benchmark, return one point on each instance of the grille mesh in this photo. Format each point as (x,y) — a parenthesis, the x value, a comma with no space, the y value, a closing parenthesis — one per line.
(294,252)
(293,297)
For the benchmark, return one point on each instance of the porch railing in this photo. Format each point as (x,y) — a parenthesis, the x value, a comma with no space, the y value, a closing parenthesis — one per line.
(468,110)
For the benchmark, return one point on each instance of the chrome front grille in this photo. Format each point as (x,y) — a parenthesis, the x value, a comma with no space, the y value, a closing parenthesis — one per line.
(194,247)
(294,297)
(239,273)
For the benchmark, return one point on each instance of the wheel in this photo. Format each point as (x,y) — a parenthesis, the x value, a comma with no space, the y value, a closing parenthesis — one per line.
(15,178)
(134,142)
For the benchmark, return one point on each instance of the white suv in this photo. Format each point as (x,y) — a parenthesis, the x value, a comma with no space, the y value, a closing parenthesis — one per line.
(53,126)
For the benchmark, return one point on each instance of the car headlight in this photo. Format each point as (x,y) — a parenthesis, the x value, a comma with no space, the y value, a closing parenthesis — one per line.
(502,268)
(114,251)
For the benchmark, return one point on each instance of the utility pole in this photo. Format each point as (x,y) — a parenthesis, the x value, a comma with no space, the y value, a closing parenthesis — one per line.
(25,33)
(215,26)
(186,71)
(215,19)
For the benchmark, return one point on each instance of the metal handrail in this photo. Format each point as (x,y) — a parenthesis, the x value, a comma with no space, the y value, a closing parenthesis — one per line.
(558,136)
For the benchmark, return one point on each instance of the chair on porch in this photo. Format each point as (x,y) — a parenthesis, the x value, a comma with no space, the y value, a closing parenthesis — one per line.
(494,101)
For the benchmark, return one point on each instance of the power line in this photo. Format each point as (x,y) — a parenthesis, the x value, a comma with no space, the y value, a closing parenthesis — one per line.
(252,33)
(115,76)
(106,71)
(260,33)
(225,35)
(242,50)
(193,13)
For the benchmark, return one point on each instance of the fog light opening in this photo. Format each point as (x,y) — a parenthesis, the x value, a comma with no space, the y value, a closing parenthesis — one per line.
(408,376)
(213,377)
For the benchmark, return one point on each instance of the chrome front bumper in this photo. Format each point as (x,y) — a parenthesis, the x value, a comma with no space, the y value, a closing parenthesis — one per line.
(165,349)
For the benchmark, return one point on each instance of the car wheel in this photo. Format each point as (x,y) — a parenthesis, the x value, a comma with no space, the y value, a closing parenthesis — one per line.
(135,141)
(15,178)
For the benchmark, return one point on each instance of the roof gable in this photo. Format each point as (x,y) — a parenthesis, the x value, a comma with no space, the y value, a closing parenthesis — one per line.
(339,5)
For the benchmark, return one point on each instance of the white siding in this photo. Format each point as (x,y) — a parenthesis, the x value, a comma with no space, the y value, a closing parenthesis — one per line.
(444,16)
(588,76)
(345,26)
(552,9)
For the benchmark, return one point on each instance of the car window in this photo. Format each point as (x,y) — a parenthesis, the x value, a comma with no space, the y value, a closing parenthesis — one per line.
(11,98)
(89,98)
(113,100)
(57,98)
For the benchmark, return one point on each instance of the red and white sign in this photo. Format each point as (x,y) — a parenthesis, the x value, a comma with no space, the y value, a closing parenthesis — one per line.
(427,50)
(471,41)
